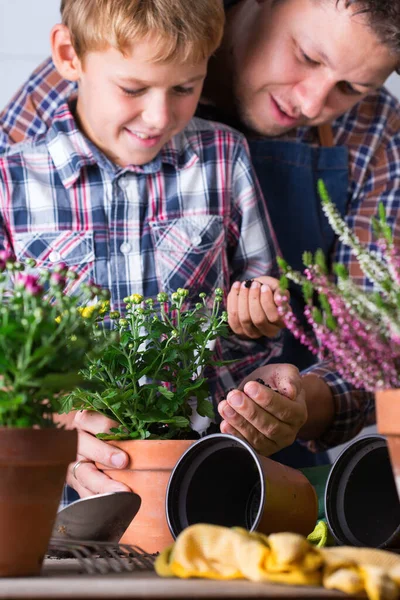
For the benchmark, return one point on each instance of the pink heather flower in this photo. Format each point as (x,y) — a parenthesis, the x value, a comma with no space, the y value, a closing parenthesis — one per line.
(30,283)
(5,256)
(58,279)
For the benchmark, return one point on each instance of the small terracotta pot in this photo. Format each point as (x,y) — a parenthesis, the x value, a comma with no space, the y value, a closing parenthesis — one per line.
(150,466)
(388,421)
(221,480)
(33,465)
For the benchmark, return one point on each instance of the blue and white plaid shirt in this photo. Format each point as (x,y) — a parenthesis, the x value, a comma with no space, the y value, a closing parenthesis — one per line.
(192,218)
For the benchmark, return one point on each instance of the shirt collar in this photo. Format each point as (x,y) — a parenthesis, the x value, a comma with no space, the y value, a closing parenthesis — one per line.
(71,151)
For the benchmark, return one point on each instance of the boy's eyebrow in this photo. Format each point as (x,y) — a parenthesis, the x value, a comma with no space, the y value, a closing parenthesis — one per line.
(149,83)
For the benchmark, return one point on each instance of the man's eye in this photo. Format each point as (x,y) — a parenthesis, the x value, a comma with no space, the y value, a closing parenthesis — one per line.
(183,91)
(132,92)
(308,60)
(346,88)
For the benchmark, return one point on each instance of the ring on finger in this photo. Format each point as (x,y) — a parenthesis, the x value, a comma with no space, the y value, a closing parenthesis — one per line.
(78,464)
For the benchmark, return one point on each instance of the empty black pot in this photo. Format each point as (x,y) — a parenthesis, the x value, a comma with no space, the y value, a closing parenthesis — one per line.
(221,480)
(361,503)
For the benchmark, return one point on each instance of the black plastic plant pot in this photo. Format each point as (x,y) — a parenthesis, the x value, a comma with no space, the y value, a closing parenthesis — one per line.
(361,501)
(221,480)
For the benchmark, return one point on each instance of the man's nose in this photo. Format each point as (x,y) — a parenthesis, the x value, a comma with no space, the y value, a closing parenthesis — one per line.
(311,96)
(157,112)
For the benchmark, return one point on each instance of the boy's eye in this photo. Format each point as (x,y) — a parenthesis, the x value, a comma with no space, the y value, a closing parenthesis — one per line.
(308,60)
(133,92)
(183,91)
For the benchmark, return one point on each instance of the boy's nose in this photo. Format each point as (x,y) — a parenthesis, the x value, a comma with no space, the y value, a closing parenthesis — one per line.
(157,113)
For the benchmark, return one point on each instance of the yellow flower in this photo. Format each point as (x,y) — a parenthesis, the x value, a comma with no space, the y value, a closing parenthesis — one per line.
(87,311)
(136,298)
(58,319)
(104,307)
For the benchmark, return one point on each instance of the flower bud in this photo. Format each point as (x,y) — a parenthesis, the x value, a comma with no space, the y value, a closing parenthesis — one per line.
(162,297)
(61,268)
(114,314)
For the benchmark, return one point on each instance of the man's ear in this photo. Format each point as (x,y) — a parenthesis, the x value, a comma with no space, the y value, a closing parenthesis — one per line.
(64,56)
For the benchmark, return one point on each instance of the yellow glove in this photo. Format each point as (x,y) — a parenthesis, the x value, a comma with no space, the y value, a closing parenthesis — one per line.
(216,552)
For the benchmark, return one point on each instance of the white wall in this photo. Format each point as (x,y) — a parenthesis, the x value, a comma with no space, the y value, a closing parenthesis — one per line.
(24,42)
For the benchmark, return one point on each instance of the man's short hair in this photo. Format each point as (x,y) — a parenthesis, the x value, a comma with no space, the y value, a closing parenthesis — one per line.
(383,18)
(184,30)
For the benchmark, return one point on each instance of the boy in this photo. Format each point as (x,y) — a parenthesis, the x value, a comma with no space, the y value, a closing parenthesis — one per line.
(126,188)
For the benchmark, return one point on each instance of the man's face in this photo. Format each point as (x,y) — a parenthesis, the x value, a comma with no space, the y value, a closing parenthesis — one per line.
(302,62)
(129,106)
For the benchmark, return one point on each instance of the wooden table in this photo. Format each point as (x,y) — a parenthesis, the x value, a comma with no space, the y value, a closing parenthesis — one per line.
(65,579)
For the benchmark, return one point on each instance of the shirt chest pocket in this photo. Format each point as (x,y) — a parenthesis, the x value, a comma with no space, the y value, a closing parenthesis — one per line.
(74,248)
(190,253)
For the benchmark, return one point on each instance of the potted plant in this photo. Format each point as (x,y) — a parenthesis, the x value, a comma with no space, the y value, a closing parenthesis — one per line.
(149,379)
(44,338)
(359,331)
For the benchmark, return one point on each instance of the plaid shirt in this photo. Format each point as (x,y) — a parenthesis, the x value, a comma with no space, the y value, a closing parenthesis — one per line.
(370,131)
(192,218)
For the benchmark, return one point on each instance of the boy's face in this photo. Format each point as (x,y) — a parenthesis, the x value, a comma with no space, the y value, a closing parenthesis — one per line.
(302,62)
(129,106)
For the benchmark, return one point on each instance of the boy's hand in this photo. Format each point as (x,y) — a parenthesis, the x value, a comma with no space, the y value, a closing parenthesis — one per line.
(253,311)
(87,480)
(269,418)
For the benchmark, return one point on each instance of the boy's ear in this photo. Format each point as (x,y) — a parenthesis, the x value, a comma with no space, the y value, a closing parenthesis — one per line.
(64,56)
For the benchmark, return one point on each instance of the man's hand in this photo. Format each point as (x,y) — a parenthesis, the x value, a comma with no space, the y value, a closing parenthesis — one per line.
(87,479)
(253,311)
(269,419)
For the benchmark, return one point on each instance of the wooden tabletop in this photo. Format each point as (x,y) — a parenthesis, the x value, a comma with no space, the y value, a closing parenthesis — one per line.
(66,579)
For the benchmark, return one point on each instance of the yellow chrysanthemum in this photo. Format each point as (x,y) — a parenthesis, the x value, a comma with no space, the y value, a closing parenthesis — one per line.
(136,298)
(87,311)
(104,307)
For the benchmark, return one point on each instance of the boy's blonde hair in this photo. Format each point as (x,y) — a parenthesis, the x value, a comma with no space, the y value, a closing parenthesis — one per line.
(184,30)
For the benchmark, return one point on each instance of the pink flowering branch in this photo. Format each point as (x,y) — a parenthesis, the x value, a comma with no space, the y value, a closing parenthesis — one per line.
(359,331)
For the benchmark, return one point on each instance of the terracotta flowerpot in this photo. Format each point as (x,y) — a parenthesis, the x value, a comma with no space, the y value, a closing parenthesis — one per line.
(150,466)
(33,465)
(388,421)
(221,480)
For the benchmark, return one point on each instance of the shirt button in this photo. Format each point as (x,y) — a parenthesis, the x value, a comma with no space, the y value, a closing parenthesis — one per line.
(125,248)
(197,240)
(123,183)
(54,256)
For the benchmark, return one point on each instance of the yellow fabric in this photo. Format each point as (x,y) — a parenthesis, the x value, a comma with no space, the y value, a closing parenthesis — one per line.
(215,552)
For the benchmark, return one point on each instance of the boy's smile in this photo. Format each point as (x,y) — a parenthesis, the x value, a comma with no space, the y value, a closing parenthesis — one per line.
(131,106)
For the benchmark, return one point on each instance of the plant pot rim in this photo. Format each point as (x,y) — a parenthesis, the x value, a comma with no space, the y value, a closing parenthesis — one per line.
(226,439)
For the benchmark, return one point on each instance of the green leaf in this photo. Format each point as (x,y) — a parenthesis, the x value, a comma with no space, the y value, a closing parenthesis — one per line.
(205,408)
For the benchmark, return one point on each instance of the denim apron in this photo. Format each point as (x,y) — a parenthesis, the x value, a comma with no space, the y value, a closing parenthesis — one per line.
(288,173)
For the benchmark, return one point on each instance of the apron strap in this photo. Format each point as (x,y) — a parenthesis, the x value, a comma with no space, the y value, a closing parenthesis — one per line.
(325,135)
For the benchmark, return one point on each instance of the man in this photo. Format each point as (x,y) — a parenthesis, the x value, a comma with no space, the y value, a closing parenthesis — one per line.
(285,68)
